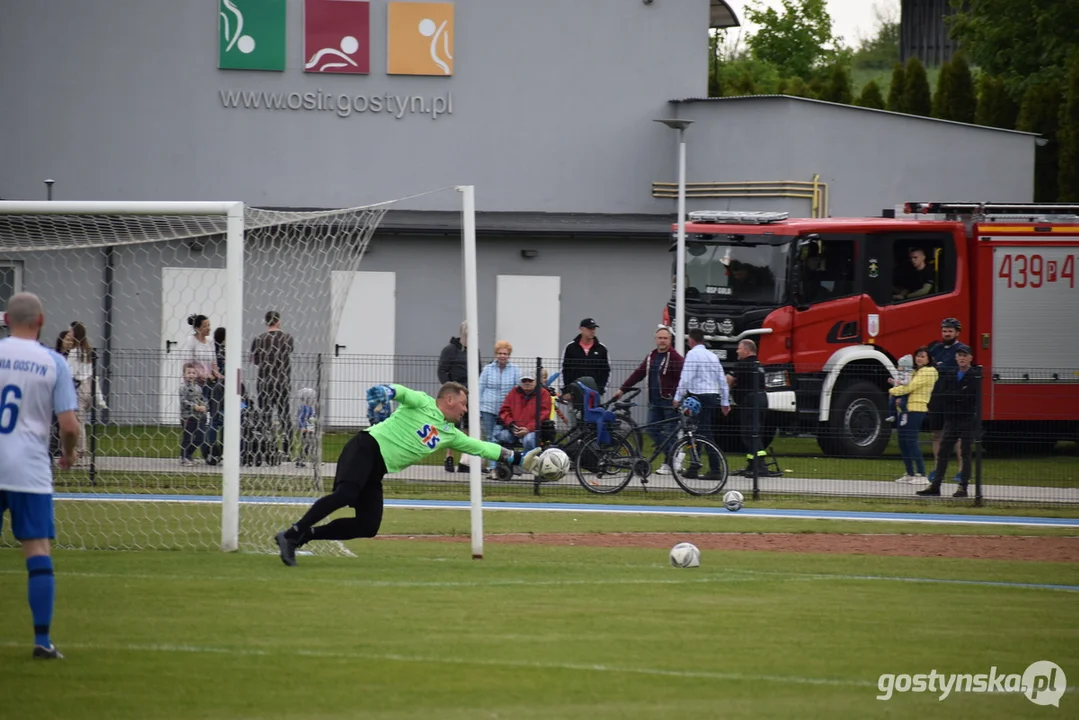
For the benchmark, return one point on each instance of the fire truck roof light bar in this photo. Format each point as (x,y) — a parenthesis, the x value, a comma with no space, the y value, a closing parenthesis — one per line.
(737,217)
(1006,210)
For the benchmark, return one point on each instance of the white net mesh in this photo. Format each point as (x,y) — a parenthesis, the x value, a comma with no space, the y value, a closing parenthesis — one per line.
(149,472)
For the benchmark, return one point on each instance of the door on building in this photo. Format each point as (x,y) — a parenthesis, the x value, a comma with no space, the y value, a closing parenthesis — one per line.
(364,343)
(527,315)
(184,292)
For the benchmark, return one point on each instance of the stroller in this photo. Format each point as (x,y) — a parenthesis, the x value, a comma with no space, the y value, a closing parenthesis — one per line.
(257,445)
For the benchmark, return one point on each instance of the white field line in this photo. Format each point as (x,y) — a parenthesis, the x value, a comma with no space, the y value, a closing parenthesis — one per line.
(442,660)
(731,576)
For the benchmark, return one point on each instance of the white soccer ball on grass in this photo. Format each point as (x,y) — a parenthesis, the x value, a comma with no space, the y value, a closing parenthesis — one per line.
(733,500)
(685,555)
(553,464)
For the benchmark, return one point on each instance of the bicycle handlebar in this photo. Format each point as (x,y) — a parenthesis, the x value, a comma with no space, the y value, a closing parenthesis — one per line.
(626,397)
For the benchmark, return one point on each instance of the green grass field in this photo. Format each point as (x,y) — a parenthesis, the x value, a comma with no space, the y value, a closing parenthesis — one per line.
(415,629)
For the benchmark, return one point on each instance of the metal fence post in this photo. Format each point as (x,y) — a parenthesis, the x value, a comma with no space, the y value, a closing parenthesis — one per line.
(538,392)
(319,425)
(978,498)
(93,417)
(756,461)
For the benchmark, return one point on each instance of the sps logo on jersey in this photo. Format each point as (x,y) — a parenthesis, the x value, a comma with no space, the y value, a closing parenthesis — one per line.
(428,435)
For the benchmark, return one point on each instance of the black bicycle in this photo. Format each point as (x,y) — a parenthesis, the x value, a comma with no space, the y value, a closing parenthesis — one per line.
(606,468)
(625,426)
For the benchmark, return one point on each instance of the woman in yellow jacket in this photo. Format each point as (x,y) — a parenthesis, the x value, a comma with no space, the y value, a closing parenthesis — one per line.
(918,392)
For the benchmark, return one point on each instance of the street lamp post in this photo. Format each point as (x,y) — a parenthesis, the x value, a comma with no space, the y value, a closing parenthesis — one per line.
(680,251)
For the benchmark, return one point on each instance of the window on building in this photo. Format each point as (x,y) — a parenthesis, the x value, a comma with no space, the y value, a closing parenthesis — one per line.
(923,266)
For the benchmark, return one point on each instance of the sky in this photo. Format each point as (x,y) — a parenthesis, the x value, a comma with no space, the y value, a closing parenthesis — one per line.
(852,19)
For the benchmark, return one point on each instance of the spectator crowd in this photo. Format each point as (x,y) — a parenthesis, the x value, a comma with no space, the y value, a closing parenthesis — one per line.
(934,389)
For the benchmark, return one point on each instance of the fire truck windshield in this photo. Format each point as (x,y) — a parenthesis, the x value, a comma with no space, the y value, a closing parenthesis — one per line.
(737,272)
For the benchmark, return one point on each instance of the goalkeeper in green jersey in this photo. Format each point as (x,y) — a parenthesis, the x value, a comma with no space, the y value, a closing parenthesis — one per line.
(421,426)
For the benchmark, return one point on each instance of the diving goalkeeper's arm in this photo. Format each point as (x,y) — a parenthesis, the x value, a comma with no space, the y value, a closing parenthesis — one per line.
(423,424)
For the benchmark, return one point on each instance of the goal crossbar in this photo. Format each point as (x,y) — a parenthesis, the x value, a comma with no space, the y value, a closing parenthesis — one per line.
(92,207)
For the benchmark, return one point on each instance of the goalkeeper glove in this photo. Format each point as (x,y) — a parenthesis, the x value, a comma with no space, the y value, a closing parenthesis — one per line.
(527,460)
(379,395)
(378,403)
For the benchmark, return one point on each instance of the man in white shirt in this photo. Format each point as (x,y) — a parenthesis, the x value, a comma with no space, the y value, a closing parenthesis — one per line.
(704,379)
(35,383)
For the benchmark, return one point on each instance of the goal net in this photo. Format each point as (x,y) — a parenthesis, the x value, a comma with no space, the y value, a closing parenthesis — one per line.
(203,424)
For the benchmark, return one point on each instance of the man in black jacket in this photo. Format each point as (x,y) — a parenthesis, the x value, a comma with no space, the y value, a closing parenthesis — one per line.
(747,389)
(958,391)
(585,356)
(453,367)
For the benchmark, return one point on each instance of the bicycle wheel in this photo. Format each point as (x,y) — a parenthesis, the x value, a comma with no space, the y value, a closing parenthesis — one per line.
(605,469)
(691,456)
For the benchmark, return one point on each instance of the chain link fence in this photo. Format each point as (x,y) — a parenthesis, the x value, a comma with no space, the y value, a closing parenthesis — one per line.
(826,436)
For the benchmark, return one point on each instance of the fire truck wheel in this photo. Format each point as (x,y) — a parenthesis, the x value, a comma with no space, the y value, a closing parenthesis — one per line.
(856,426)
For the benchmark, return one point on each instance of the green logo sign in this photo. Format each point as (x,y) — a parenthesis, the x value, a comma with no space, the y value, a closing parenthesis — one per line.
(251,34)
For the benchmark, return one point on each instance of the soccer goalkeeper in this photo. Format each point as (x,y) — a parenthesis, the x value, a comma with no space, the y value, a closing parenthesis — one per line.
(420,426)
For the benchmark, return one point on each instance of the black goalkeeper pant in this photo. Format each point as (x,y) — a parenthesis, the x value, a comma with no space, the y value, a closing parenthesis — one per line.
(357,484)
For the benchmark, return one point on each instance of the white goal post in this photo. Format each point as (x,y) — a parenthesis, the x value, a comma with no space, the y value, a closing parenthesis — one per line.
(231,261)
(233,214)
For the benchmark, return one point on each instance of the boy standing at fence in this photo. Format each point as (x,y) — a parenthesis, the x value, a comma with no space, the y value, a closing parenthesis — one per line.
(306,423)
(192,414)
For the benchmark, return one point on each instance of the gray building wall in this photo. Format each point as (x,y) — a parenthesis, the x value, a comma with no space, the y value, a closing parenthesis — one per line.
(552,108)
(627,299)
(870,159)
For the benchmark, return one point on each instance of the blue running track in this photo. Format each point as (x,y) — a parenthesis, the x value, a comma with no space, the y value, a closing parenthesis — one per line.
(937,518)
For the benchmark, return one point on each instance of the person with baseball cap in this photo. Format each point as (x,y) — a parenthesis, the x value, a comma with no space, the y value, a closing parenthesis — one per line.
(586,356)
(517,416)
(958,390)
(942,355)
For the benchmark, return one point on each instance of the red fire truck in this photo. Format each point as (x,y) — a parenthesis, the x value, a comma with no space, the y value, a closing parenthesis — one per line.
(833,303)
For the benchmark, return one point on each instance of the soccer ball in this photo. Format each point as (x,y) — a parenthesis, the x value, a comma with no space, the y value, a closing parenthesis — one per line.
(553,464)
(733,500)
(685,555)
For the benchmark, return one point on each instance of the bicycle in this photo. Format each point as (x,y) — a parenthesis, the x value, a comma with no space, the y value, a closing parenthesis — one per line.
(574,438)
(607,468)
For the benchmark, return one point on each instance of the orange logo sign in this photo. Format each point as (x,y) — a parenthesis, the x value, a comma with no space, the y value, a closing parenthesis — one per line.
(420,38)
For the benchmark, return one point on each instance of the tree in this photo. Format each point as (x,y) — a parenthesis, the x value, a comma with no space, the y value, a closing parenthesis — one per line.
(837,85)
(943,96)
(796,40)
(1027,43)
(963,103)
(880,51)
(1068,135)
(995,106)
(899,86)
(1040,113)
(797,87)
(916,98)
(871,96)
(744,85)
(743,76)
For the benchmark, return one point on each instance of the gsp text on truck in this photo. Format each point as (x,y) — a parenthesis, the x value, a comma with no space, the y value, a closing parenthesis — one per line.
(832,303)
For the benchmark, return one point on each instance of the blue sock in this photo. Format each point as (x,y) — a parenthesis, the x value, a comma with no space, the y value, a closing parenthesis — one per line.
(42,590)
